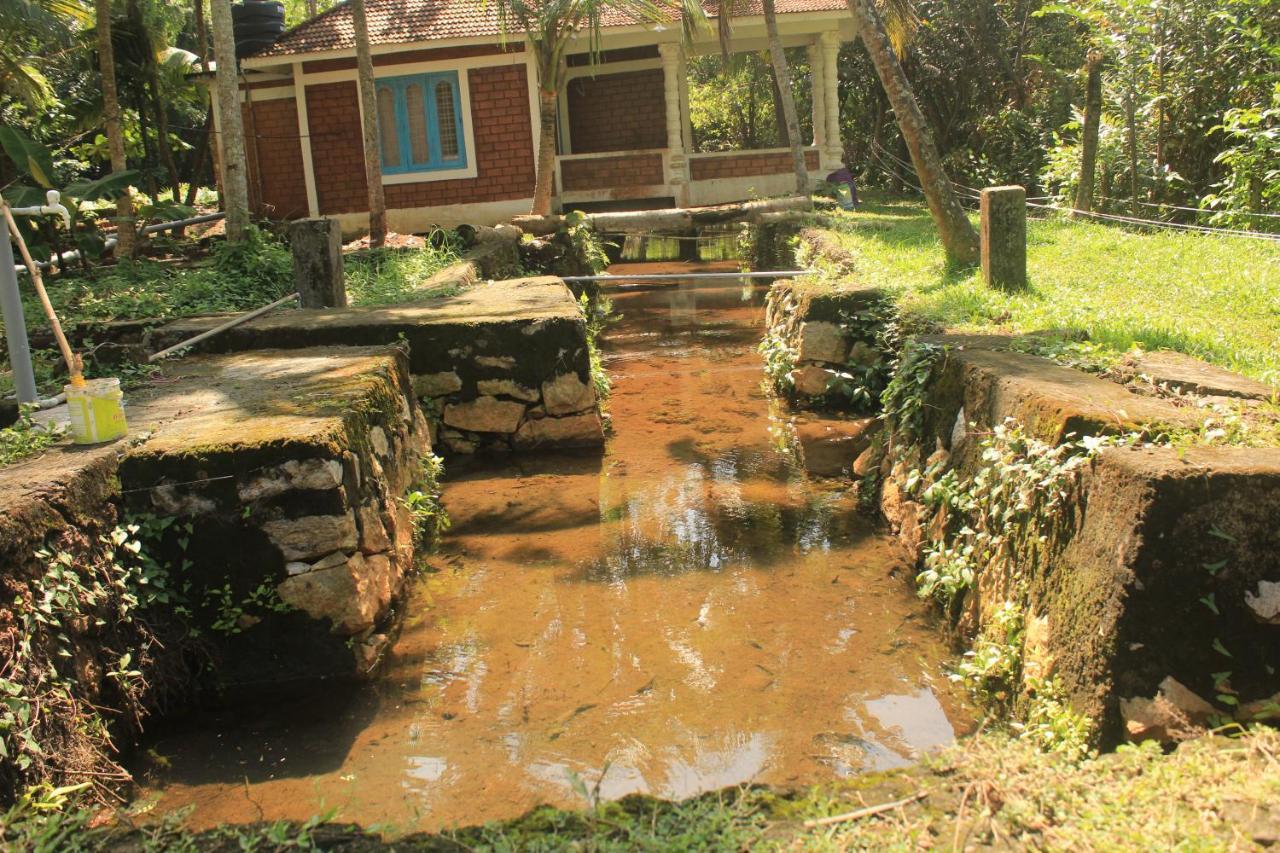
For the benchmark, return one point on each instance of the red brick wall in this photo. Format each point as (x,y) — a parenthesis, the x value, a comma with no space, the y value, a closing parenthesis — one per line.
(746,165)
(502,150)
(600,173)
(617,112)
(333,114)
(277,189)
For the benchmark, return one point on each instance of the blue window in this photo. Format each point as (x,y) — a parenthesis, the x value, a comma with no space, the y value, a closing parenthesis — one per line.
(420,119)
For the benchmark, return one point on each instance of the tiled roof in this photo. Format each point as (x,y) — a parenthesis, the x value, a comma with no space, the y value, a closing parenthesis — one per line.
(405,21)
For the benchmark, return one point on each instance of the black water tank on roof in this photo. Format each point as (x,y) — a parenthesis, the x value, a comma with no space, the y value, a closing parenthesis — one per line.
(258,24)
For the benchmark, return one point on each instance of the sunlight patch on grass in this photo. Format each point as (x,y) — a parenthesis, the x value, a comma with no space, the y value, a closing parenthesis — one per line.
(1217,298)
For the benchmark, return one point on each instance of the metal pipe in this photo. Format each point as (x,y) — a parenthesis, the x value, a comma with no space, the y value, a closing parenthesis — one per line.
(217,330)
(678,276)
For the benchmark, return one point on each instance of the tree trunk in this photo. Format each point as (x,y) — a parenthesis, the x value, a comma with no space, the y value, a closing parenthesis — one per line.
(781,139)
(162,134)
(782,75)
(1131,122)
(202,35)
(959,240)
(235,183)
(127,239)
(542,185)
(372,134)
(1089,138)
(198,160)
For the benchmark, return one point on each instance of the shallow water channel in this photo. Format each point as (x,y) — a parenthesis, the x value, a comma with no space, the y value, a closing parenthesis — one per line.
(692,609)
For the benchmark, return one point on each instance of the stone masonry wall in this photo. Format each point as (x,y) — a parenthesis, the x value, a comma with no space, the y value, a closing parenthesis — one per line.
(308,509)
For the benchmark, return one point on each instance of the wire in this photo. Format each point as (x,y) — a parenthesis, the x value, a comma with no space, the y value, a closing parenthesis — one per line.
(1156,223)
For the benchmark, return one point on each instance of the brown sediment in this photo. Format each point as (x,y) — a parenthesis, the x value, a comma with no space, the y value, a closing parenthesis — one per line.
(690,610)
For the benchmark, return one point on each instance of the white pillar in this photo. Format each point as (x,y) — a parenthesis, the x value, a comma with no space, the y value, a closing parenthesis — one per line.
(677,157)
(833,153)
(304,132)
(818,93)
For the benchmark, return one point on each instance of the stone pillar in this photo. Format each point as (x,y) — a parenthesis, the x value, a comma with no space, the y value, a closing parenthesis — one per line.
(317,263)
(832,155)
(818,89)
(1004,237)
(677,157)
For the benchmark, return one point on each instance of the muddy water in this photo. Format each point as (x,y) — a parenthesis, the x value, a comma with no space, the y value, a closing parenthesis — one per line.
(691,610)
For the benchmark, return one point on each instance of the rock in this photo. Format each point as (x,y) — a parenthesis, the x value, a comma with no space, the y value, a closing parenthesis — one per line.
(341,594)
(866,462)
(382,578)
(583,430)
(1260,711)
(1186,700)
(1266,604)
(567,394)
(1175,714)
(863,354)
(318,474)
(312,535)
(831,445)
(498,362)
(456,442)
(507,388)
(1193,376)
(292,569)
(170,500)
(428,385)
(373,535)
(822,341)
(378,438)
(337,558)
(484,414)
(811,381)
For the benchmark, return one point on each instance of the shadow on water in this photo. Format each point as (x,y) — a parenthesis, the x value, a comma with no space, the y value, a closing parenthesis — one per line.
(691,610)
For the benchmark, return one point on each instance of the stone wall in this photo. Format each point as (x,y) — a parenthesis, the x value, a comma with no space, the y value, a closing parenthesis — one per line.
(1146,588)
(503,365)
(295,502)
(822,336)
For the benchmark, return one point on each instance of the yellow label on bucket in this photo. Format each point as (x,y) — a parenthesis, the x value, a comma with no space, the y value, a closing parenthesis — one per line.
(97,411)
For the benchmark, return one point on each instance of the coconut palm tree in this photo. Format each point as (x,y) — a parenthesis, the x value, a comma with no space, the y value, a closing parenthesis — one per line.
(782,73)
(26,27)
(126,237)
(959,240)
(369,124)
(235,182)
(550,25)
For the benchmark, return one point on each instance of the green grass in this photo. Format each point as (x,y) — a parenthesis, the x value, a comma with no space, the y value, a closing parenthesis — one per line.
(1212,793)
(390,276)
(1216,298)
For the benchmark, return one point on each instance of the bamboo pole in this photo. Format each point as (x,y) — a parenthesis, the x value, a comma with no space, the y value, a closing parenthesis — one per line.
(75,367)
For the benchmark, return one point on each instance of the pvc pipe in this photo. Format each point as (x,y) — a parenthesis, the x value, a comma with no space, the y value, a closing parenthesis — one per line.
(678,276)
(15,325)
(217,330)
(111,242)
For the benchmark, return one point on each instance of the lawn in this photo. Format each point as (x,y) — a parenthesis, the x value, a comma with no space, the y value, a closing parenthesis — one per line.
(1214,297)
(184,282)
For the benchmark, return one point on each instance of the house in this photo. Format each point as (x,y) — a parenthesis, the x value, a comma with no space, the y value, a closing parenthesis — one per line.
(458,103)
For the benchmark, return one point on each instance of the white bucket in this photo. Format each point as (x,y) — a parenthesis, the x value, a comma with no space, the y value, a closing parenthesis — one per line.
(97,411)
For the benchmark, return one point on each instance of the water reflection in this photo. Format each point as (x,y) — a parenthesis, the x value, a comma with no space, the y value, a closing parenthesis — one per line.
(692,610)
